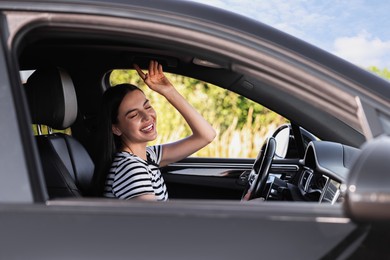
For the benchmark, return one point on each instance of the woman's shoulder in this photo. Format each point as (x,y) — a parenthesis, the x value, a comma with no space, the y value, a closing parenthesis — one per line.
(124,157)
(154,149)
(154,153)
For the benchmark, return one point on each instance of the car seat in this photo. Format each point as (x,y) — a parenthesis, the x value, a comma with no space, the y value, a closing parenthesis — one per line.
(67,166)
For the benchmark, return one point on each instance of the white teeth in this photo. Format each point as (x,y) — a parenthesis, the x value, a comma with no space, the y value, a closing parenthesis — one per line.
(148,128)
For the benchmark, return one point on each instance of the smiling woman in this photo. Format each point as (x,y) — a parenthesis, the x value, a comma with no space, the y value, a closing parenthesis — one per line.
(128,168)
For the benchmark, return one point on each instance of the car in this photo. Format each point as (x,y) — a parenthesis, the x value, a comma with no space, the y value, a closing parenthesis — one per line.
(318,188)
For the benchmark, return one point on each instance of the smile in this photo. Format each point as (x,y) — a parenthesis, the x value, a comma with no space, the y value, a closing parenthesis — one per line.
(147,129)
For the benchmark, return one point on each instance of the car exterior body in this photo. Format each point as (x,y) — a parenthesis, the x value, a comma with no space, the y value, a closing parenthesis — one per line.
(347,108)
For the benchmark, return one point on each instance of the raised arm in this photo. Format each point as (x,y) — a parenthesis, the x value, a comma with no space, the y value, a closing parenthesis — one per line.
(202,131)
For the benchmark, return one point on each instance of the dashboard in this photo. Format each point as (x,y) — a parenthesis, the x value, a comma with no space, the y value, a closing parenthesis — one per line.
(325,169)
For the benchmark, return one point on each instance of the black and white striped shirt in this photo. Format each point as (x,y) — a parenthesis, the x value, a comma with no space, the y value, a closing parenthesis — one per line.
(131,176)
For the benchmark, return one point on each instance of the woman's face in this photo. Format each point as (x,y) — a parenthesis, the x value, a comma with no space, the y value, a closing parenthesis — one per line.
(136,119)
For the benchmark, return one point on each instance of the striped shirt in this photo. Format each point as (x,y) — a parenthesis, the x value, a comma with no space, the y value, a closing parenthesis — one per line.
(131,176)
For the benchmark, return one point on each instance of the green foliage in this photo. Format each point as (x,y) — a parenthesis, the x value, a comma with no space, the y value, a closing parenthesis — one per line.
(384,73)
(46,130)
(230,114)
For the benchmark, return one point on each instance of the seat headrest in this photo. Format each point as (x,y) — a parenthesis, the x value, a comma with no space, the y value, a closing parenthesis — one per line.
(52,98)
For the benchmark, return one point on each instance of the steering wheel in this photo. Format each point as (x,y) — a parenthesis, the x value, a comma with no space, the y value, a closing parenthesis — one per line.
(260,170)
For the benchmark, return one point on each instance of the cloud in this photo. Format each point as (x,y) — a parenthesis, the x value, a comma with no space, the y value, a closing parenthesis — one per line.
(364,50)
(301,18)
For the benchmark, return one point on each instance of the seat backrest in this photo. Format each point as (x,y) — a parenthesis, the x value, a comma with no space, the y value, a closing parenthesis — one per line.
(66,164)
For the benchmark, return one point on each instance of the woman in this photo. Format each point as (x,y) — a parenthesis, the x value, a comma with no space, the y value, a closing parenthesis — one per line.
(129,168)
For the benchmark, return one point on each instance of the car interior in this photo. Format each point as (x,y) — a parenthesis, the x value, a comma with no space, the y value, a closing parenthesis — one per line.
(71,71)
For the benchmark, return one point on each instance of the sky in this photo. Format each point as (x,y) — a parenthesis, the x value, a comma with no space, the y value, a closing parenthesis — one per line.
(355,30)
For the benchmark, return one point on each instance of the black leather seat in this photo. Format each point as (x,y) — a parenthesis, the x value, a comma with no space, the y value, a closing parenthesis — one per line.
(67,166)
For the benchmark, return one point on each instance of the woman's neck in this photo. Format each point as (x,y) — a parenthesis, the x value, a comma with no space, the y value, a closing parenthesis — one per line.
(136,149)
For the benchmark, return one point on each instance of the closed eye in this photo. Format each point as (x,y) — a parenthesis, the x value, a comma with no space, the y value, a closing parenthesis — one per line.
(133,115)
(147,105)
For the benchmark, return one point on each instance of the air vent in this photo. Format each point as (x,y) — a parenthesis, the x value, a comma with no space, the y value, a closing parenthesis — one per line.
(317,183)
(320,182)
(306,176)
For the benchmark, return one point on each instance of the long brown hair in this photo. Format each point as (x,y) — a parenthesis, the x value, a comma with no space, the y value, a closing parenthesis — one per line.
(108,143)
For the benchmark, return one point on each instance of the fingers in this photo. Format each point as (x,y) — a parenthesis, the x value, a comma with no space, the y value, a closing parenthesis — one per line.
(153,69)
(160,69)
(139,71)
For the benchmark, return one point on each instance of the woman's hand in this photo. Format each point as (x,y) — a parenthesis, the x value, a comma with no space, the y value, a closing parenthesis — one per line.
(155,78)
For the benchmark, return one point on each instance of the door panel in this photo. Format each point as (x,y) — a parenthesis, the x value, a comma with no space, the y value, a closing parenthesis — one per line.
(114,229)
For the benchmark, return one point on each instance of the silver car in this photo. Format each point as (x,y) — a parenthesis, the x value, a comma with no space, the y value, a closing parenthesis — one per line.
(322,178)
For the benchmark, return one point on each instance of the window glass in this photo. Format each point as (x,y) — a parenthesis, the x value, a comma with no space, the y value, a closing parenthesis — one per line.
(241,124)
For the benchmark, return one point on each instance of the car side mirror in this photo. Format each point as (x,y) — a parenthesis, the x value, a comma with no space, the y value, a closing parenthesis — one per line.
(368,184)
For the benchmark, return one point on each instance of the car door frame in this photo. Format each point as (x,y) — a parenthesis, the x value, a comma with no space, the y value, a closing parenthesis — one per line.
(20,167)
